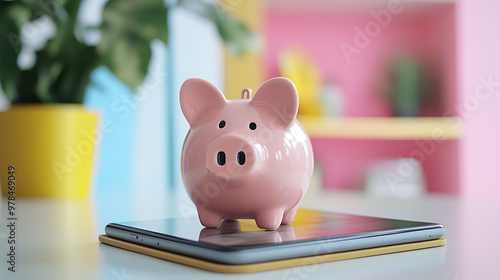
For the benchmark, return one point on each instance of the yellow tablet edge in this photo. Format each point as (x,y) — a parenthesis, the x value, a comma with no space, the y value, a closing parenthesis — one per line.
(270,265)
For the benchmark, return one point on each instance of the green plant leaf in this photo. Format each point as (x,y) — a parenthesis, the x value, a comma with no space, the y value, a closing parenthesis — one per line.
(62,68)
(146,19)
(237,37)
(127,58)
(9,70)
(38,8)
(12,17)
(126,33)
(63,78)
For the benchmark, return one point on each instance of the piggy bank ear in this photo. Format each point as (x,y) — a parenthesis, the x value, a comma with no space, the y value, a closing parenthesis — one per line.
(280,95)
(198,94)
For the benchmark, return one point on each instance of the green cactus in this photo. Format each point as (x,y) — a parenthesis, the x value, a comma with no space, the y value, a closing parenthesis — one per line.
(408,86)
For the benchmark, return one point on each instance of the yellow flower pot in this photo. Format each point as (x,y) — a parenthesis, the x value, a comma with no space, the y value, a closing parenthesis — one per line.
(47,150)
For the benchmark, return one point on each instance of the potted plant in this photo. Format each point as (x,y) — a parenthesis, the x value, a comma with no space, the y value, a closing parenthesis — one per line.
(407,86)
(48,137)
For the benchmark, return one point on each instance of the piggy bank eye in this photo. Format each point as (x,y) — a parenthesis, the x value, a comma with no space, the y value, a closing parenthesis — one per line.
(222,124)
(252,126)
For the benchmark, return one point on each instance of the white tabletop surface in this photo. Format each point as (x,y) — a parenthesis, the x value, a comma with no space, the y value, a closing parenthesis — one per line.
(57,239)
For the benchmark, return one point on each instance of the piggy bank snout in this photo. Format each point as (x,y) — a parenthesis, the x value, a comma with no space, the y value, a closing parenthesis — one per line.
(231,156)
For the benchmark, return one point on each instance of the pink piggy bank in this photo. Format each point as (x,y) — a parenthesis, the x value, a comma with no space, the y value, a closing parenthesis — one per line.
(246,158)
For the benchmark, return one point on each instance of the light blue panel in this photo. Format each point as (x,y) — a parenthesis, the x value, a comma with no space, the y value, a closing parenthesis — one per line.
(196,52)
(151,159)
(115,101)
(173,172)
(140,159)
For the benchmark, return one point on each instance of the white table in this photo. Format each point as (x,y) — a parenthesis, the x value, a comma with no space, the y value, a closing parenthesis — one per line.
(57,239)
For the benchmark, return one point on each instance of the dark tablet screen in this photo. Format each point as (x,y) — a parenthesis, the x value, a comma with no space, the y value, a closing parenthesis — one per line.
(308,225)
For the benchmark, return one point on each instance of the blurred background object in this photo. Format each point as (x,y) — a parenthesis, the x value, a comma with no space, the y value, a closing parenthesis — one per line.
(49,150)
(332,99)
(298,67)
(443,82)
(245,70)
(454,137)
(407,86)
(74,54)
(317,97)
(61,67)
(360,45)
(399,178)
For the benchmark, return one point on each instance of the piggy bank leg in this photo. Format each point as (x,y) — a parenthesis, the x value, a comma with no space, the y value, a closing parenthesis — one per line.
(209,218)
(270,219)
(289,215)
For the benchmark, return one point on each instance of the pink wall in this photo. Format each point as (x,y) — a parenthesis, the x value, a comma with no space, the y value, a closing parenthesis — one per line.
(427,32)
(345,161)
(478,34)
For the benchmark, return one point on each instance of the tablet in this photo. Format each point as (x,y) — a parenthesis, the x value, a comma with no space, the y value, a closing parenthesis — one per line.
(242,242)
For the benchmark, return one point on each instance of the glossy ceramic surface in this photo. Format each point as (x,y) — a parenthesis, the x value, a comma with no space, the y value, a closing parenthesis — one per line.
(247,158)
